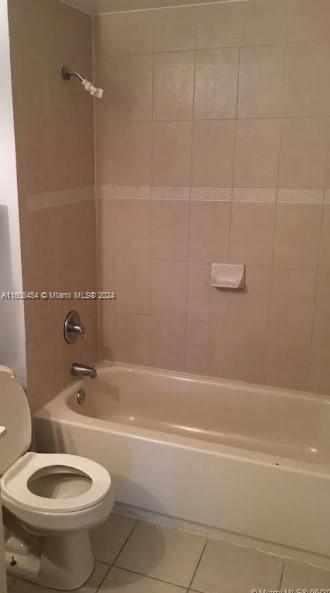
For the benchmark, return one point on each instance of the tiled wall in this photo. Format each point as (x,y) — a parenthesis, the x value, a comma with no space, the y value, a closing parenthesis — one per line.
(54,143)
(212,145)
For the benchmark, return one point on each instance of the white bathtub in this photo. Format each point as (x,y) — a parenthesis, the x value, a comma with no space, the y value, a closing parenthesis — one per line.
(245,459)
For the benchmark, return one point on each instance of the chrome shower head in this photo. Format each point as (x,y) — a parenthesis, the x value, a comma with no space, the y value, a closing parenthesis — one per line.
(67,74)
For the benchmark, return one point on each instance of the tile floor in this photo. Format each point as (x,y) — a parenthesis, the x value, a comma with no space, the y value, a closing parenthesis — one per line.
(134,556)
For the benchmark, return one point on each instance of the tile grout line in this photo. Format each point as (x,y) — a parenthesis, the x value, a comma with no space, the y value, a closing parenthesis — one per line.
(188,268)
(112,565)
(276,203)
(198,564)
(152,578)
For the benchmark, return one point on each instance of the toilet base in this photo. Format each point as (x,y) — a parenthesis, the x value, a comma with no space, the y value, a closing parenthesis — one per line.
(63,561)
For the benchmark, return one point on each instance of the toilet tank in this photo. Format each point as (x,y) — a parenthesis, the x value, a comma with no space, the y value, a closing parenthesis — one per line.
(15,416)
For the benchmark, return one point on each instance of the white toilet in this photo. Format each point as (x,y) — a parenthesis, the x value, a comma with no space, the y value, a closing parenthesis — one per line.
(50,501)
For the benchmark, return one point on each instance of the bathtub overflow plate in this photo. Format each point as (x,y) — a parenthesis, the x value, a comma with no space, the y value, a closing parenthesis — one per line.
(81,396)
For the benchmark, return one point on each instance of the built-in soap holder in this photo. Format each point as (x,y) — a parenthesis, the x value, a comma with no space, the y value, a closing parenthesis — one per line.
(228,276)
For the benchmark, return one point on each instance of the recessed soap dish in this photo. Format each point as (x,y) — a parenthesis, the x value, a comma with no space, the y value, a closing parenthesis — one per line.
(228,276)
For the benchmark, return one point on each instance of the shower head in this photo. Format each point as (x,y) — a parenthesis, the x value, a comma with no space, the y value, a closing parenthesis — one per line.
(67,74)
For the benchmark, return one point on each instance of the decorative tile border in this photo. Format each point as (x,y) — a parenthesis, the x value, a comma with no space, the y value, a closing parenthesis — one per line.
(105,192)
(300,196)
(170,193)
(254,194)
(207,194)
(58,198)
(211,194)
(138,192)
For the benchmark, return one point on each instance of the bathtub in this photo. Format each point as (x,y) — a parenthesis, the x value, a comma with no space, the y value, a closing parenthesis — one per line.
(241,458)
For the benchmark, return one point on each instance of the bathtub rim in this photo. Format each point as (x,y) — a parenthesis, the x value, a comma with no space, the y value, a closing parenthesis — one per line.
(58,410)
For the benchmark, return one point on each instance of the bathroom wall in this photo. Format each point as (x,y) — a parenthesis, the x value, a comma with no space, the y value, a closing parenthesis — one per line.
(55,168)
(12,335)
(212,145)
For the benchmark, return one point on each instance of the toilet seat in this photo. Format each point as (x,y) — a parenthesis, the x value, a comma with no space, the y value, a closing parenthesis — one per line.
(14,483)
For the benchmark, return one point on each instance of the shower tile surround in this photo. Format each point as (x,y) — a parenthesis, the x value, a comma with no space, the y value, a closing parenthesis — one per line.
(212,144)
(55,168)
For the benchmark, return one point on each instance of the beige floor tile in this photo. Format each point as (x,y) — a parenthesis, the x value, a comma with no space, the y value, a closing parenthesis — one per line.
(162,552)
(107,539)
(90,587)
(97,577)
(300,576)
(232,569)
(121,581)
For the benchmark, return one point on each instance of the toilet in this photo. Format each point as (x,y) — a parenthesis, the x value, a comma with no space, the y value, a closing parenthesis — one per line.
(50,501)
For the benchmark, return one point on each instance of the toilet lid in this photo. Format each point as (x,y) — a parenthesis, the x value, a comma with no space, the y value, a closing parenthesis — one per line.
(15,482)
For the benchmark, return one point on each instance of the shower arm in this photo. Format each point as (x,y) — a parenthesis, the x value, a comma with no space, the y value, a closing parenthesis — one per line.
(67,73)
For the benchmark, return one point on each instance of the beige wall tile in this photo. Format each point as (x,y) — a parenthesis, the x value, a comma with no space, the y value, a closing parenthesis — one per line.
(261,81)
(171,153)
(308,80)
(107,329)
(106,225)
(168,288)
(132,284)
(168,343)
(36,263)
(292,300)
(252,231)
(209,231)
(199,347)
(325,239)
(257,153)
(129,32)
(169,232)
(220,25)
(248,306)
(129,87)
(132,338)
(238,352)
(304,153)
(133,154)
(213,153)
(173,85)
(106,274)
(199,292)
(105,147)
(297,236)
(216,80)
(174,29)
(288,358)
(265,22)
(309,20)
(132,238)
(319,379)
(322,304)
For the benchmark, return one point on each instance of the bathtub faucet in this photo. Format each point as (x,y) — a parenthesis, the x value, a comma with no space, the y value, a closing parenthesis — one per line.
(83,370)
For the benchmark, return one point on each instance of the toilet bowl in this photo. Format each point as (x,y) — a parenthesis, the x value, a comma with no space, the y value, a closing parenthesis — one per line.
(51,501)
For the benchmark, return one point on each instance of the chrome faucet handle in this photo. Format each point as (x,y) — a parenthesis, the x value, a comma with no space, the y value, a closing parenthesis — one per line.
(78,329)
(73,328)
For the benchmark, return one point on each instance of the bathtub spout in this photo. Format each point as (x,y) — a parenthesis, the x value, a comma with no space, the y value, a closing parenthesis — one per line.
(83,370)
